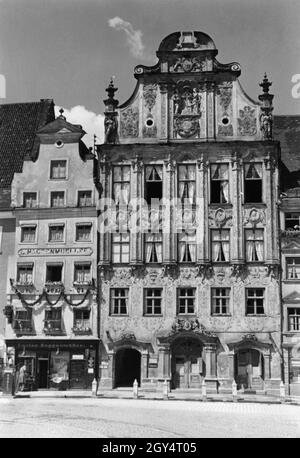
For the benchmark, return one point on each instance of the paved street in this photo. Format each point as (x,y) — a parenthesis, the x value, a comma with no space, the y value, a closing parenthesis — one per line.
(117,418)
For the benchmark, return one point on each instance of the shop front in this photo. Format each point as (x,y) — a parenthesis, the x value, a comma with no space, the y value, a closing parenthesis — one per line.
(55,365)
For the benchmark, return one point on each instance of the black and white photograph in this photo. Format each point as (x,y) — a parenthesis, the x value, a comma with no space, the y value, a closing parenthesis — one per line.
(149,223)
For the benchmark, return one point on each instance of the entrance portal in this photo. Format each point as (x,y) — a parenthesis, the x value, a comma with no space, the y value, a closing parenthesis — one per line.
(250,369)
(43,373)
(127,367)
(187,364)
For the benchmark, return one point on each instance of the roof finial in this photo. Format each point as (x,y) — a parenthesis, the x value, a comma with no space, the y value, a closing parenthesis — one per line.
(265,85)
(111,103)
(61,113)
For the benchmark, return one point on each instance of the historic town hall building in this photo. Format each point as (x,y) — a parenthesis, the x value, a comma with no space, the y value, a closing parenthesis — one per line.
(188,251)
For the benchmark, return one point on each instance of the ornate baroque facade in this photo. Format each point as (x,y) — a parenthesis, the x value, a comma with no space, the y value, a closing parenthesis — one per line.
(199,300)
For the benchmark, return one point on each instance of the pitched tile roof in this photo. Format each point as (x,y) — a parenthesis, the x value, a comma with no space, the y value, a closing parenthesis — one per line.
(18,125)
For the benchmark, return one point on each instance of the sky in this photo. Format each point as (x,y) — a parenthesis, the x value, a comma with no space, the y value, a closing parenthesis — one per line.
(67,50)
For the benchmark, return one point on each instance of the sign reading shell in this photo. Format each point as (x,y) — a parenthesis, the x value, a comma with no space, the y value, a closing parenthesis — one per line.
(76,251)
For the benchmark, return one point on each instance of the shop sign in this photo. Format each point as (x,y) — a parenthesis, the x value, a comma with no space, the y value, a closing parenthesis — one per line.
(77,357)
(61,251)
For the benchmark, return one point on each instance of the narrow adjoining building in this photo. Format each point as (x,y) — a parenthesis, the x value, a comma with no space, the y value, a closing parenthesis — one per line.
(188,245)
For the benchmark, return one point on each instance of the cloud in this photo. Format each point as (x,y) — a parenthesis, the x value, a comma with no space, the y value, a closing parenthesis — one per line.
(90,122)
(134,37)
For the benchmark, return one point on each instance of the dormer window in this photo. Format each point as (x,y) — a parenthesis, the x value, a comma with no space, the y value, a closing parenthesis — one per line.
(58,170)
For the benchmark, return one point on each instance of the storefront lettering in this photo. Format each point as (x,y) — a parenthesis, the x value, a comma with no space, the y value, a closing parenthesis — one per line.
(75,251)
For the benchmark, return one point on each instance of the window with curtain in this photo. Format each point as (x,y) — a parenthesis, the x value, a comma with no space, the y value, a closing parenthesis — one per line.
(29,199)
(220,301)
(83,232)
(153,247)
(28,234)
(254,245)
(153,183)
(185,301)
(57,199)
(119,301)
(58,170)
(53,319)
(84,198)
(293,268)
(255,301)
(187,246)
(152,301)
(56,233)
(220,243)
(219,184)
(121,184)
(82,273)
(120,247)
(187,184)
(82,320)
(293,319)
(25,274)
(253,182)
(23,320)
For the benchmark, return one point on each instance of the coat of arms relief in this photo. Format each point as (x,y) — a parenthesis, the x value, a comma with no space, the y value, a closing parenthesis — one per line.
(187,100)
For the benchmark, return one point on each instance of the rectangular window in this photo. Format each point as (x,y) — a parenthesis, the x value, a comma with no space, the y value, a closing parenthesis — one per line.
(120,247)
(119,301)
(187,247)
(29,199)
(293,319)
(84,198)
(292,221)
(255,301)
(253,183)
(153,300)
(56,233)
(153,247)
(121,184)
(28,234)
(293,268)
(58,170)
(185,301)
(153,184)
(220,240)
(57,199)
(82,273)
(187,184)
(82,320)
(219,185)
(254,245)
(25,274)
(220,301)
(83,232)
(23,320)
(54,273)
(53,320)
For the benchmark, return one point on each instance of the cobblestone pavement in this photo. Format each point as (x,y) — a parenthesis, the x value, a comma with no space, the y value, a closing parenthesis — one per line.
(117,418)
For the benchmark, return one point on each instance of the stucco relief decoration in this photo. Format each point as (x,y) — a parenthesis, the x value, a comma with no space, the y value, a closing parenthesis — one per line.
(225,94)
(182,324)
(247,121)
(149,94)
(219,217)
(129,123)
(254,216)
(187,111)
(188,64)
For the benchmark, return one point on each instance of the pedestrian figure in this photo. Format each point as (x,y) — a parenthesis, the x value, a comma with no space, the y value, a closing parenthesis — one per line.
(22,377)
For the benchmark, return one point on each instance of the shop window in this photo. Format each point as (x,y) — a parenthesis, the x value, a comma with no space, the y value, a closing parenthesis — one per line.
(29,199)
(52,320)
(153,184)
(57,199)
(220,242)
(56,233)
(293,319)
(82,321)
(292,221)
(153,301)
(153,247)
(120,247)
(84,198)
(187,184)
(185,301)
(293,268)
(28,234)
(255,301)
(219,185)
(25,274)
(83,232)
(253,183)
(54,273)
(187,247)
(121,184)
(119,301)
(82,273)
(254,245)
(220,301)
(58,170)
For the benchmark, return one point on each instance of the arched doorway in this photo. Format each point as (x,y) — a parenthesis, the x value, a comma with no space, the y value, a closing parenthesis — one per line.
(186,364)
(249,369)
(127,367)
